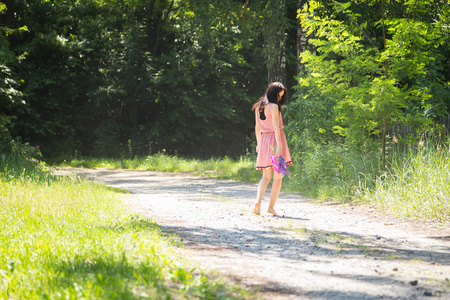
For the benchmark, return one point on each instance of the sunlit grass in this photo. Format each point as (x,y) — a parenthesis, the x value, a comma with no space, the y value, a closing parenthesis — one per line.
(66,238)
(417,184)
(223,168)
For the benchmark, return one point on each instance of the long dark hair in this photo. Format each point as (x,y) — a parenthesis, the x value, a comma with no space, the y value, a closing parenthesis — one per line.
(271,96)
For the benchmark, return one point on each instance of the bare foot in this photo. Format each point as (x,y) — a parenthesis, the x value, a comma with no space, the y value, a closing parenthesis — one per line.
(273,212)
(257,208)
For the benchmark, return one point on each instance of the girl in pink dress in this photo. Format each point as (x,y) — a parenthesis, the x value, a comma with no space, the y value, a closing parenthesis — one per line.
(270,140)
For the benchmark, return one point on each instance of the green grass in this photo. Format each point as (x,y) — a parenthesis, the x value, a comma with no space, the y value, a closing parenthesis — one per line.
(224,168)
(66,238)
(417,184)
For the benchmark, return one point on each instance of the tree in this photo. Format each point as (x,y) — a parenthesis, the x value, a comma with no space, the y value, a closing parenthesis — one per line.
(275,39)
(363,83)
(111,77)
(10,96)
(302,37)
(203,80)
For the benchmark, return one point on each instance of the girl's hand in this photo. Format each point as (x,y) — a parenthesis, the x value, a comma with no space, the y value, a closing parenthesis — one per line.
(279,151)
(257,149)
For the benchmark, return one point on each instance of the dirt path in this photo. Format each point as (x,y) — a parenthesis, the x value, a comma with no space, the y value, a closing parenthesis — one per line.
(316,251)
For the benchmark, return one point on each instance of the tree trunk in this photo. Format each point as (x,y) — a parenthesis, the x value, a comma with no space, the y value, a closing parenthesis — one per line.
(243,10)
(148,23)
(277,69)
(384,40)
(161,22)
(146,34)
(277,46)
(383,142)
(386,73)
(302,39)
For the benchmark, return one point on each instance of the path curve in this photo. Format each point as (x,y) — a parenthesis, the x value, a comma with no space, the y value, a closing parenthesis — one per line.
(316,251)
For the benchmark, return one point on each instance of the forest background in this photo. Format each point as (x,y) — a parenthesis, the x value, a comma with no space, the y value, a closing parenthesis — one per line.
(368,85)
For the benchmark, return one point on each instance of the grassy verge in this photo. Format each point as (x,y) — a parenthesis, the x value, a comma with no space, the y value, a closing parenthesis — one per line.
(65,238)
(223,168)
(417,184)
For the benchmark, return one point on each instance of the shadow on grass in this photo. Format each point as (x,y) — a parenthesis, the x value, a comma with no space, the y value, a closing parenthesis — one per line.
(118,274)
(109,277)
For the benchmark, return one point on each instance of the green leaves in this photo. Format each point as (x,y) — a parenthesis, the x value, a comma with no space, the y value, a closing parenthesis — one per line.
(109,77)
(366,87)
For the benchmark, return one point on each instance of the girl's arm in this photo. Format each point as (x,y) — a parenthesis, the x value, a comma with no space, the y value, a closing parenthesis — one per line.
(276,125)
(257,131)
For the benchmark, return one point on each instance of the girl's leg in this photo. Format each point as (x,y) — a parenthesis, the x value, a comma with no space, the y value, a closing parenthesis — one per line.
(263,183)
(275,191)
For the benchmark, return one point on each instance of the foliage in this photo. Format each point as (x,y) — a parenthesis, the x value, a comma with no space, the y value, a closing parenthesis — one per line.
(10,96)
(120,79)
(357,85)
(331,170)
(204,68)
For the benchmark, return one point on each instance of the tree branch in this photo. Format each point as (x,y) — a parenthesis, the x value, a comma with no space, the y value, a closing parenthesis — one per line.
(147,22)
(243,10)
(384,40)
(160,24)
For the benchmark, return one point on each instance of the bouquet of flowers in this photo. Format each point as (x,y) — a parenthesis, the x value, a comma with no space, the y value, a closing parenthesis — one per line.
(279,165)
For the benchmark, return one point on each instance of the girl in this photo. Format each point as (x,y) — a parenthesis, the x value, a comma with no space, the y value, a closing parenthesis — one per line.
(270,140)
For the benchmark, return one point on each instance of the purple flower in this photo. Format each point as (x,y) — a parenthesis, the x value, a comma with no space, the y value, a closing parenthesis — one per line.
(279,165)
(37,146)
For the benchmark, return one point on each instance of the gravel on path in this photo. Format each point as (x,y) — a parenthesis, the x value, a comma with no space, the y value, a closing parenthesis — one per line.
(315,251)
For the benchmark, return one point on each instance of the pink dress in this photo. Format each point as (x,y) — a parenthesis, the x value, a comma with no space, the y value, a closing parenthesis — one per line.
(268,142)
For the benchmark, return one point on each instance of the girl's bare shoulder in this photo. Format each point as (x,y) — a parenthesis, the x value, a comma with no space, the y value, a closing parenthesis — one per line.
(273,108)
